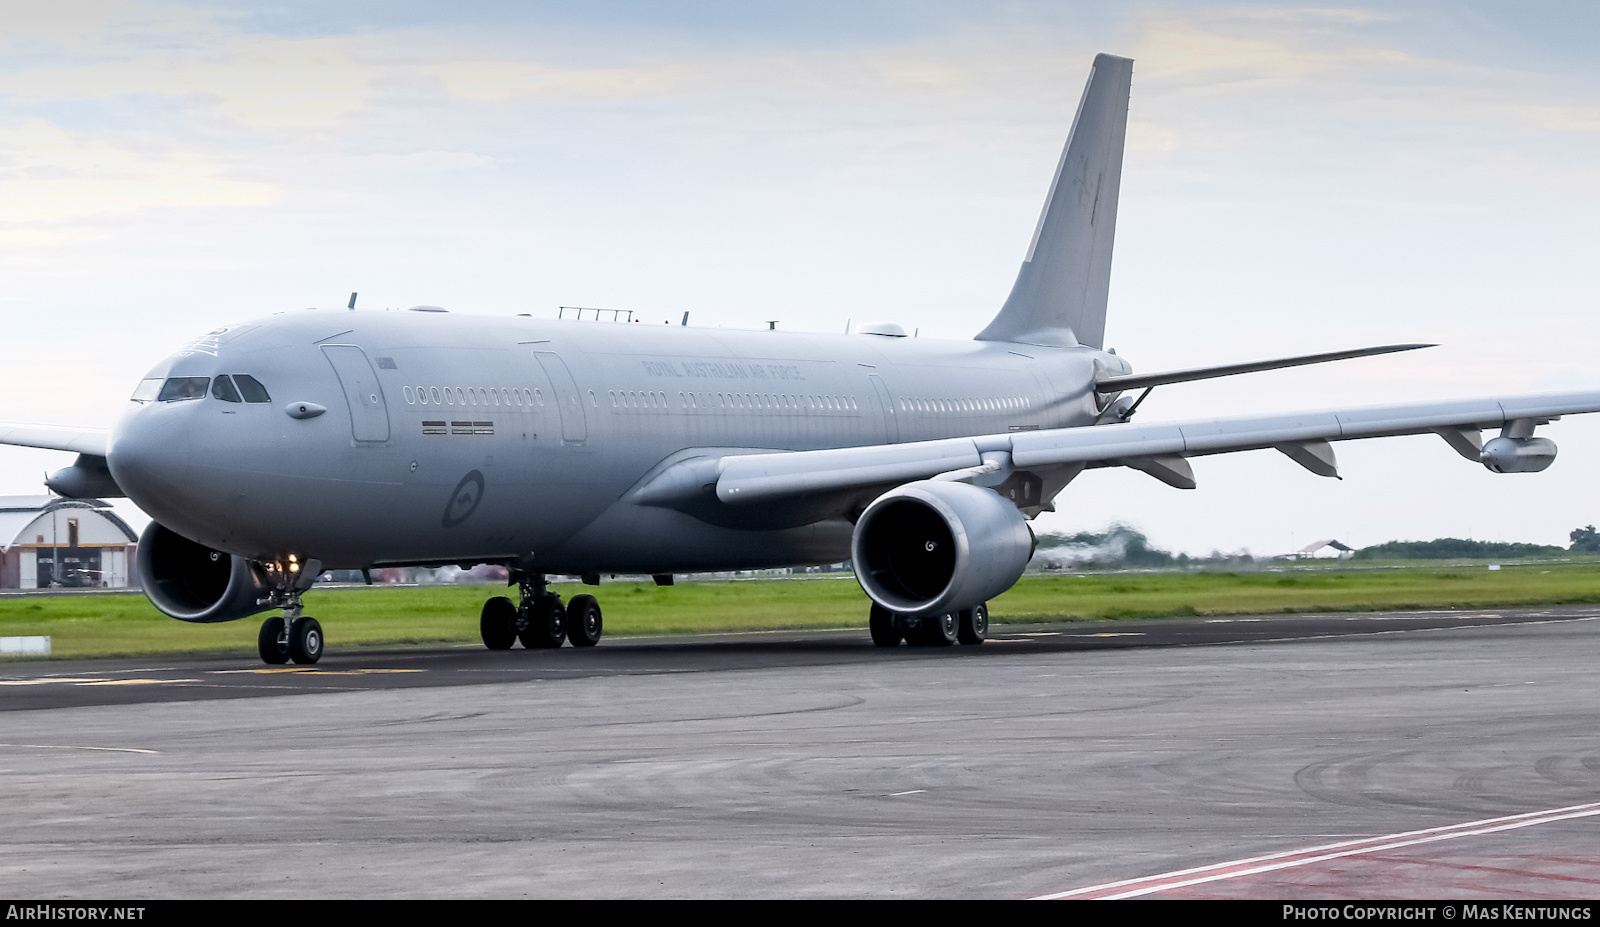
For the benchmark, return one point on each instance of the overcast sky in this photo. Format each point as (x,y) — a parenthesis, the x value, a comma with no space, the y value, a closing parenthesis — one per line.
(1298,178)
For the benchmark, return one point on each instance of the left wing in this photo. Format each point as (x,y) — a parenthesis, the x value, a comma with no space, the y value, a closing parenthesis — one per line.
(1158,449)
(89,476)
(91,441)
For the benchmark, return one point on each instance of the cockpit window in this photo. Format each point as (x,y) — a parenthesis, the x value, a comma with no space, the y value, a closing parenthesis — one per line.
(177,389)
(147,390)
(223,389)
(251,388)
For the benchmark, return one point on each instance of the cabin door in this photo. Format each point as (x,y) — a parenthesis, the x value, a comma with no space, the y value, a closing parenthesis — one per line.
(369,414)
(574,426)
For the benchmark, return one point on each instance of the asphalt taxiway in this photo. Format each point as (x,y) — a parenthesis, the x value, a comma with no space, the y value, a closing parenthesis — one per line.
(1435,753)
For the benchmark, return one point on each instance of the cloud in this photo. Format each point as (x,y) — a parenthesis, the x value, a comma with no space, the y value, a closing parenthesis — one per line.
(1261,43)
(265,83)
(79,25)
(1558,118)
(49,175)
(508,81)
(110,49)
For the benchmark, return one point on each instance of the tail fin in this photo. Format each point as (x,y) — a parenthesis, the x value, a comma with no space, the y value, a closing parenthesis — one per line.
(1060,294)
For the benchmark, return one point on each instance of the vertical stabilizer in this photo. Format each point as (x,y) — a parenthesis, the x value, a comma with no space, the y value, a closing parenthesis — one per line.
(1060,294)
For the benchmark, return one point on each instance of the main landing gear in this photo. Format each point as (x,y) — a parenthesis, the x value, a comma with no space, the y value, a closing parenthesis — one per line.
(968,627)
(540,621)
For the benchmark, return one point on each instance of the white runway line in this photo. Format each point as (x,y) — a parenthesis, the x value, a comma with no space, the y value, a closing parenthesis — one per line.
(1133,888)
(75,747)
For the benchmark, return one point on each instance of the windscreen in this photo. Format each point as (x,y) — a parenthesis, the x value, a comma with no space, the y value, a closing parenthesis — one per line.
(147,390)
(251,388)
(177,389)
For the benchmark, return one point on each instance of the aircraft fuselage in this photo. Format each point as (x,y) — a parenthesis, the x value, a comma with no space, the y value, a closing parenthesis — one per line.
(454,438)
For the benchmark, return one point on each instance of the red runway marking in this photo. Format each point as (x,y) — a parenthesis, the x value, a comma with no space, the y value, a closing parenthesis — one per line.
(1271,862)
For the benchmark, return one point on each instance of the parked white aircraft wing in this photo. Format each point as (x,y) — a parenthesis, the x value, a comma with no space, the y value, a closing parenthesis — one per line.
(745,479)
(90,441)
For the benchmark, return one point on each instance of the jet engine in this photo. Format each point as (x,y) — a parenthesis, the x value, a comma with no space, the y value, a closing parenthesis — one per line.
(1518,455)
(933,547)
(192,582)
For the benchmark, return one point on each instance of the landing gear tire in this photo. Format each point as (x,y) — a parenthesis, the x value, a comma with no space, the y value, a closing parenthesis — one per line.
(498,623)
(881,622)
(974,625)
(305,640)
(274,648)
(941,630)
(583,621)
(546,626)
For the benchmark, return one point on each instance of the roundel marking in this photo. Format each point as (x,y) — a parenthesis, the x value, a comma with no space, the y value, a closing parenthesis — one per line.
(464,501)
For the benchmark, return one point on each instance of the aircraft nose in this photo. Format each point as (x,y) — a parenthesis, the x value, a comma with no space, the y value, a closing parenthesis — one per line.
(149,456)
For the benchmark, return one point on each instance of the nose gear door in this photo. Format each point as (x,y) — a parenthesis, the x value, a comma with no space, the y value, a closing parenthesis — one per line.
(369,414)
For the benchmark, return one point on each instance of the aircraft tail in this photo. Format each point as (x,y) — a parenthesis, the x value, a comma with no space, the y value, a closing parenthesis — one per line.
(1060,294)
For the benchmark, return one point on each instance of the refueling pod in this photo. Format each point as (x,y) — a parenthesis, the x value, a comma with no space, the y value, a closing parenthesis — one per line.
(1518,455)
(88,478)
(192,582)
(934,547)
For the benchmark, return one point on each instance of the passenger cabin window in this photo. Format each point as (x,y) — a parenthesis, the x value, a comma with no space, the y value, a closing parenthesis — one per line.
(223,389)
(147,390)
(251,388)
(178,389)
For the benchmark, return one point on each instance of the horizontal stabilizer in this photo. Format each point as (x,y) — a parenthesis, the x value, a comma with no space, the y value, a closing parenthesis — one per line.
(91,441)
(1142,380)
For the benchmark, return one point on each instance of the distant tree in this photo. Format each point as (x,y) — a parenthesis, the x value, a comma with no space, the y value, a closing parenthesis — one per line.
(1455,548)
(1585,540)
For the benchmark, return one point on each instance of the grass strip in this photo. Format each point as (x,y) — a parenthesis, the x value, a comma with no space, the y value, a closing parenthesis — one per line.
(125,624)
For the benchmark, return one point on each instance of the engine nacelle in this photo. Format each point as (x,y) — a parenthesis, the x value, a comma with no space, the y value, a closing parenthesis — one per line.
(1518,455)
(192,582)
(932,547)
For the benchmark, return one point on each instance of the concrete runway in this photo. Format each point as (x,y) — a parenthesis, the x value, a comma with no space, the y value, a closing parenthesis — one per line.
(1067,758)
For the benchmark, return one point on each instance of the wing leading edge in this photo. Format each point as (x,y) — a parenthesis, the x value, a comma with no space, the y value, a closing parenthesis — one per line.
(91,441)
(1158,449)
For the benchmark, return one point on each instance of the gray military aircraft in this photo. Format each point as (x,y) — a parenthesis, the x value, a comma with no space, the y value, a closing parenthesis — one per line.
(271,450)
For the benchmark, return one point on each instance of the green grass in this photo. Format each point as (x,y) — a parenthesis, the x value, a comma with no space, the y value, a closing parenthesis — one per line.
(1154,595)
(126,624)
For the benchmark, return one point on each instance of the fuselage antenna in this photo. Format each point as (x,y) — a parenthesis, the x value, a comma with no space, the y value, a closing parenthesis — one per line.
(352,300)
(685,322)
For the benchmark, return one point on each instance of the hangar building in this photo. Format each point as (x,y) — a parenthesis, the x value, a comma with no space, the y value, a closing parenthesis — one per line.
(48,542)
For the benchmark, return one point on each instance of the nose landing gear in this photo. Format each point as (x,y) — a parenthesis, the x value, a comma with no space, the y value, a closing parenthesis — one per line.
(292,635)
(299,640)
